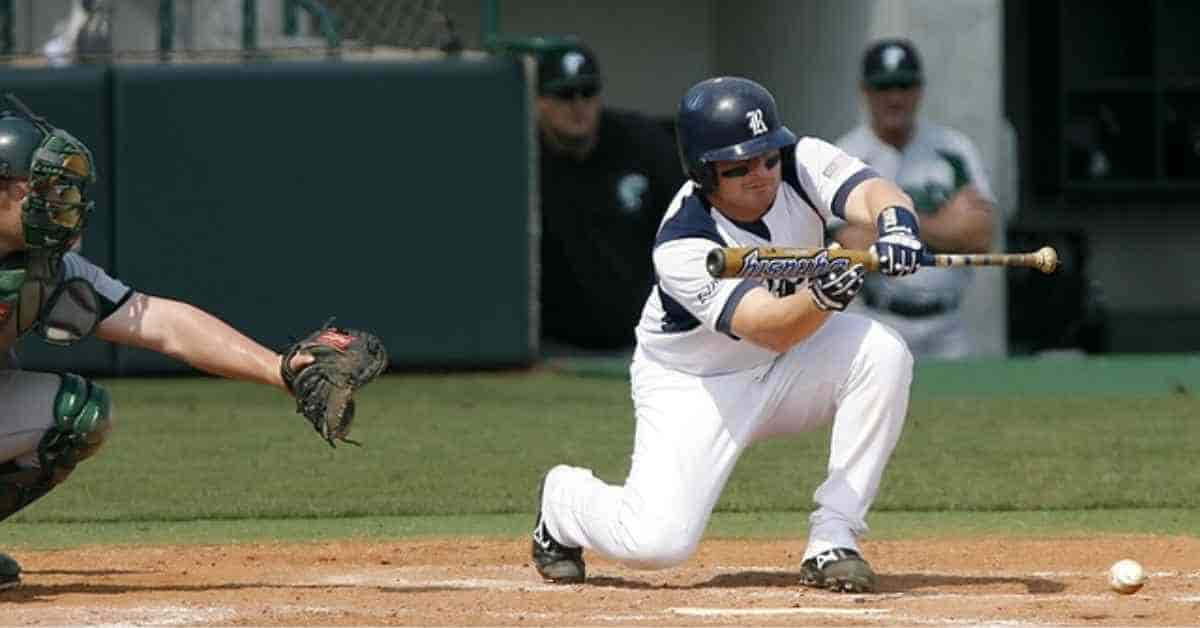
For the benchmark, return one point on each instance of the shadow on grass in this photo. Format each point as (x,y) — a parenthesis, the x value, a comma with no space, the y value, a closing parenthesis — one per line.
(887,583)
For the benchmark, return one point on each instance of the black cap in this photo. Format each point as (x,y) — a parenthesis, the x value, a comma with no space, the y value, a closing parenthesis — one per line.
(892,62)
(571,64)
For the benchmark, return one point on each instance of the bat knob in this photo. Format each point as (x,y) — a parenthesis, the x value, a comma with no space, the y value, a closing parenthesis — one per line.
(715,263)
(1047,259)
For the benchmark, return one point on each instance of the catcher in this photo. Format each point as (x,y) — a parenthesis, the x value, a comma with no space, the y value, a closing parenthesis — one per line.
(50,422)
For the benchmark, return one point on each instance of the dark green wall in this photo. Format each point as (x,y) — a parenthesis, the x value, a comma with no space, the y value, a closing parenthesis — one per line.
(392,196)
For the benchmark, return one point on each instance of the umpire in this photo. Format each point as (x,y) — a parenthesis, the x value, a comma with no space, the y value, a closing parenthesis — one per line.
(606,177)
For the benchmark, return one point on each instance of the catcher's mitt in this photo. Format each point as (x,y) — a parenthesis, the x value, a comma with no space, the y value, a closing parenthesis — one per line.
(344,360)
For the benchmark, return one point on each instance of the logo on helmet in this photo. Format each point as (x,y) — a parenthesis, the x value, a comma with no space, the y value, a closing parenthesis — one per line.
(757,126)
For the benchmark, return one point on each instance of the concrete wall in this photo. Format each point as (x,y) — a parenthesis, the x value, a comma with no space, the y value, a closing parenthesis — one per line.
(199,24)
(960,43)
(650,51)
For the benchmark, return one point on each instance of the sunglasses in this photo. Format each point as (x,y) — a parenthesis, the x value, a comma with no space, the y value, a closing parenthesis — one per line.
(741,171)
(571,93)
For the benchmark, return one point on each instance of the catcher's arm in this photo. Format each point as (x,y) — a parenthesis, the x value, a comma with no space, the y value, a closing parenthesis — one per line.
(187,333)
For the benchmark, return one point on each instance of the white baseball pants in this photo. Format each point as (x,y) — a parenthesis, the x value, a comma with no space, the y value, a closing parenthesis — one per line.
(691,431)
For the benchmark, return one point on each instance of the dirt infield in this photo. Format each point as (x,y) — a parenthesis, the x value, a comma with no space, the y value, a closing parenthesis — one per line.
(475,582)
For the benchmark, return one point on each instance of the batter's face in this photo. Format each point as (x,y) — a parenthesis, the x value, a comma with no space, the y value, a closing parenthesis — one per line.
(746,188)
(569,118)
(893,109)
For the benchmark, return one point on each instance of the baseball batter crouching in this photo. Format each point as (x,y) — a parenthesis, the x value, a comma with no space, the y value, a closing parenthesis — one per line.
(721,364)
(50,422)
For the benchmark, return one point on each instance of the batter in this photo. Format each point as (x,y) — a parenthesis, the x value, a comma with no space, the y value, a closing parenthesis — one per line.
(722,364)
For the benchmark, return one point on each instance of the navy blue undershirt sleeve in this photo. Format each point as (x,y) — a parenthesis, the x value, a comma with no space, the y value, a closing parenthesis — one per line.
(839,199)
(725,320)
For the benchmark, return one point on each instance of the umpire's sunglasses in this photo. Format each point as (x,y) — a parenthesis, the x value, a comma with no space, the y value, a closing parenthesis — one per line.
(575,91)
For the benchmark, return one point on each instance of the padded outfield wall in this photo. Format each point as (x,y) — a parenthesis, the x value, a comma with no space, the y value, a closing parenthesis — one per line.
(395,196)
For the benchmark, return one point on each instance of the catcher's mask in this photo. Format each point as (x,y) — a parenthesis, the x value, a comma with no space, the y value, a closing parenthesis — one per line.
(59,168)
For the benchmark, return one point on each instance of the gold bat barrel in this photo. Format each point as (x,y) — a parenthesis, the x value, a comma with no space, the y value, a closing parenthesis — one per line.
(770,262)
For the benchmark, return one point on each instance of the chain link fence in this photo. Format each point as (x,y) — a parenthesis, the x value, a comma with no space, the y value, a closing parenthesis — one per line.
(60,32)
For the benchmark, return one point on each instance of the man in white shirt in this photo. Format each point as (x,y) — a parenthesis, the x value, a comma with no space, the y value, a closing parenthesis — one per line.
(939,168)
(720,364)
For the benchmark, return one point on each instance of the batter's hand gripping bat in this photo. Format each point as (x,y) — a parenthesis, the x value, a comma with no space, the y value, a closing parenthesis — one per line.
(771,262)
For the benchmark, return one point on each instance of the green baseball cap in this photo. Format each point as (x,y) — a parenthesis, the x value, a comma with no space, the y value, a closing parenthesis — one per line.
(892,63)
(571,65)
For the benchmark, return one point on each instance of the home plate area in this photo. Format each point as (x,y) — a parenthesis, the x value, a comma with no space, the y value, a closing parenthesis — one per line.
(488,581)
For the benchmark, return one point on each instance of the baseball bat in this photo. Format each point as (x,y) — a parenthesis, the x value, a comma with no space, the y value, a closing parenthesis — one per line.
(772,262)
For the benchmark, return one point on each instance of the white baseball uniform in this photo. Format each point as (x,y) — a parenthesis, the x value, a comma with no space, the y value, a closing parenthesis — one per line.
(926,307)
(701,395)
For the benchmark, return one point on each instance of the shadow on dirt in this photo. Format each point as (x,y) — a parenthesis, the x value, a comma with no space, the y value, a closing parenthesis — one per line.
(31,591)
(81,572)
(887,583)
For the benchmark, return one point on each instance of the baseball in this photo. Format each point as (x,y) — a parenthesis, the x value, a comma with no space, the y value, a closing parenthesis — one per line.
(1126,576)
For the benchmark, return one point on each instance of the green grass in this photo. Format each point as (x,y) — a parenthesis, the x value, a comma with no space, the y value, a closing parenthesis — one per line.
(198,458)
(885,525)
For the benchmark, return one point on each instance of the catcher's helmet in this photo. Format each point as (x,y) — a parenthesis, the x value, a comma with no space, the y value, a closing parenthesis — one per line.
(18,139)
(59,168)
(726,118)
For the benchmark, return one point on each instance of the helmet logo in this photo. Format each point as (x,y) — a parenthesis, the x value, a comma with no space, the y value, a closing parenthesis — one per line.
(571,62)
(892,56)
(755,117)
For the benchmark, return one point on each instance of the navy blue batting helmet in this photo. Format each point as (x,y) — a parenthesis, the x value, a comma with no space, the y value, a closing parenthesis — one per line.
(726,118)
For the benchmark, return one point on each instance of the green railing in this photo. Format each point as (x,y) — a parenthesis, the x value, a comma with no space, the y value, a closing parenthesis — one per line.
(326,20)
(494,42)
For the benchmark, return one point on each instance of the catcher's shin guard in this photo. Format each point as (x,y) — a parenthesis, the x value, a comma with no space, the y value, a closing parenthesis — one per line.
(10,572)
(81,423)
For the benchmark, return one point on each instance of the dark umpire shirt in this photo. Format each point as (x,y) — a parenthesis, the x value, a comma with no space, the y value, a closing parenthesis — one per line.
(599,217)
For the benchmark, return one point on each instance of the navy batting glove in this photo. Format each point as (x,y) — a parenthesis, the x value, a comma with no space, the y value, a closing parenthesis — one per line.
(836,289)
(899,247)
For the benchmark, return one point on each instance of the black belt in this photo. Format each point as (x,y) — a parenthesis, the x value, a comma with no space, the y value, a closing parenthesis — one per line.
(912,309)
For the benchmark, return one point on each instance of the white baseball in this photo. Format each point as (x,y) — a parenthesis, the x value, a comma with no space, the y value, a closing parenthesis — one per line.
(1126,576)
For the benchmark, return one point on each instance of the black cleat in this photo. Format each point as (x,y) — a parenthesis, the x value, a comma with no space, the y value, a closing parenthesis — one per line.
(839,569)
(10,572)
(553,560)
